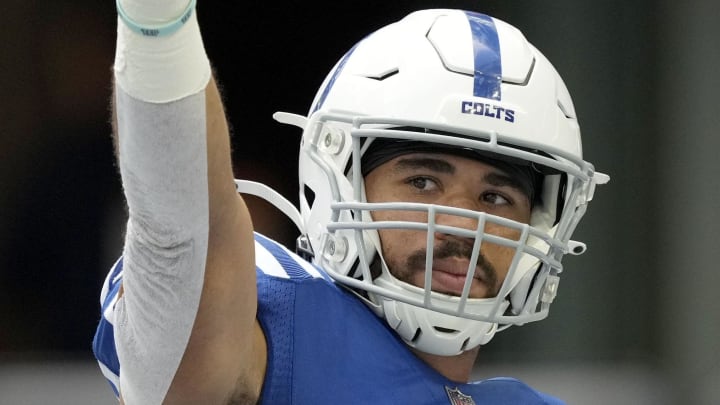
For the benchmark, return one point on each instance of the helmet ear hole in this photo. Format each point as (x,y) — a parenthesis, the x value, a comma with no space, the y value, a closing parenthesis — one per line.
(560,197)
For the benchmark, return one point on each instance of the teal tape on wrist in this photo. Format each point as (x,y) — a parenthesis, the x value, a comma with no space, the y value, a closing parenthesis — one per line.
(157,30)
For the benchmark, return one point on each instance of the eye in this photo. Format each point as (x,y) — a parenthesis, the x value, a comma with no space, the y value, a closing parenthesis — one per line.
(424,184)
(495,199)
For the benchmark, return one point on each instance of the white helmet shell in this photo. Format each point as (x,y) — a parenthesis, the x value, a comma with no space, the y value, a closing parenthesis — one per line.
(458,79)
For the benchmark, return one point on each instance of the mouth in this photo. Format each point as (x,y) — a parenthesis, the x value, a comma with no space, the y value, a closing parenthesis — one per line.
(450,265)
(450,275)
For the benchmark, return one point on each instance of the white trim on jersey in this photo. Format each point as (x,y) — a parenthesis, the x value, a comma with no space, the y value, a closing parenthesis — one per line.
(307,266)
(312,270)
(112,378)
(109,312)
(107,282)
(269,260)
(267,263)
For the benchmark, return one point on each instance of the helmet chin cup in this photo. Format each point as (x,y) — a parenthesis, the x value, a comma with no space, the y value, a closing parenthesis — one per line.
(434,332)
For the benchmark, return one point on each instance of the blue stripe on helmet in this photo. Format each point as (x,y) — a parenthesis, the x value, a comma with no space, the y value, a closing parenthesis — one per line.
(331,82)
(486,50)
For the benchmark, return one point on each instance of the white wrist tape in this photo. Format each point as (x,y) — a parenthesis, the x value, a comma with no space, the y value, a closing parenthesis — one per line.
(153,12)
(160,69)
(155,30)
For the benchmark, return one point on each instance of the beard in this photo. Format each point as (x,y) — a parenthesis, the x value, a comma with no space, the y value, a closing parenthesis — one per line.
(415,263)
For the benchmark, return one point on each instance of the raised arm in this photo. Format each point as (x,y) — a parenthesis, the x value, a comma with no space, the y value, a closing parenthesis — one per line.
(185,323)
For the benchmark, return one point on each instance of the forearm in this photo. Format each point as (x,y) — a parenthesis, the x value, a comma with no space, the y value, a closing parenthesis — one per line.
(166,241)
(174,159)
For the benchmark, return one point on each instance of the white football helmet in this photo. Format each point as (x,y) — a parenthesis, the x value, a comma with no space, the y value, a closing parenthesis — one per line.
(462,80)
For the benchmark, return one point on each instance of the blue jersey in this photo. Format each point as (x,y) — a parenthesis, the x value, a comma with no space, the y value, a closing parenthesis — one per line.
(325,346)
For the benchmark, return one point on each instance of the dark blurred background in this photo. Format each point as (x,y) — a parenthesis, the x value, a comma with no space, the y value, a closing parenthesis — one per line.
(637,319)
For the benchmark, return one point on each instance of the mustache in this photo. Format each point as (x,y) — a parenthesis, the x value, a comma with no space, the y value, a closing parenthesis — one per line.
(453,248)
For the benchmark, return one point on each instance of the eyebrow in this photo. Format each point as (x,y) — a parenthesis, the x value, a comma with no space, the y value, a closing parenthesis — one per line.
(434,164)
(501,179)
(497,177)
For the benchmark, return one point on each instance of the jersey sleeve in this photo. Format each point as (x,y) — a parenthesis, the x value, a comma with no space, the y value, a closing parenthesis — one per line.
(272,260)
(104,340)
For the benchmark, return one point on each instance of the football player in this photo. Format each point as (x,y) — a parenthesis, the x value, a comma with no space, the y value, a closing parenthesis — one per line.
(441,179)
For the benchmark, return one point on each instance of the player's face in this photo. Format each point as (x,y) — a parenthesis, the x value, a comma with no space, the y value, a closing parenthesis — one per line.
(443,179)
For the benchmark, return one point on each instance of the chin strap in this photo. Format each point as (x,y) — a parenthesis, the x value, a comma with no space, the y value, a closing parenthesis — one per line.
(273,197)
(303,247)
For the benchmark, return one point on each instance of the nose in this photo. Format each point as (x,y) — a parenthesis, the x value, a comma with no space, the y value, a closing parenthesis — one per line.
(449,216)
(442,234)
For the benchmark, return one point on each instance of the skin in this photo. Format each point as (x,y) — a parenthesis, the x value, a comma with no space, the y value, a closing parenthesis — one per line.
(445,179)
(225,359)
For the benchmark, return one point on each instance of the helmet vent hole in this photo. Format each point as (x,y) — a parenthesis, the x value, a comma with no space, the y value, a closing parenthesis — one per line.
(564,110)
(445,330)
(385,75)
(309,195)
(465,344)
(417,335)
(527,77)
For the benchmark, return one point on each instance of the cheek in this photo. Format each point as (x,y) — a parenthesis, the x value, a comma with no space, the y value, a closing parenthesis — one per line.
(501,256)
(400,240)
(398,244)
